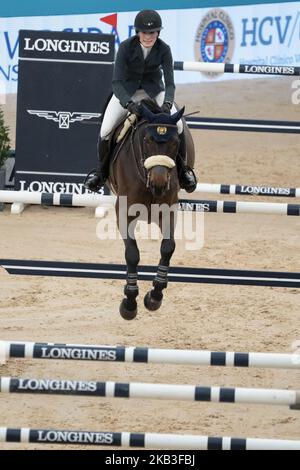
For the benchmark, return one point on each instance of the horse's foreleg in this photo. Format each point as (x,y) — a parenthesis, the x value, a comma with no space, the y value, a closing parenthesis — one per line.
(153,298)
(128,307)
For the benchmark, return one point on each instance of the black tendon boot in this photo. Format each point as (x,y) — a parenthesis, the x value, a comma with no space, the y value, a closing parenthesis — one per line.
(96,178)
(186,176)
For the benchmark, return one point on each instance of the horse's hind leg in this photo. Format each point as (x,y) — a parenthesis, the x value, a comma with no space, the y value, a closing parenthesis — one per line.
(153,299)
(128,307)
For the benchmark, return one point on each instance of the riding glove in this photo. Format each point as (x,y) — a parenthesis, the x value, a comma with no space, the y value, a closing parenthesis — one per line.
(133,108)
(166,107)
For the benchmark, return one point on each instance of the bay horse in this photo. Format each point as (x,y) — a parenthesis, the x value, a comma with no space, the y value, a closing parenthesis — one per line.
(144,172)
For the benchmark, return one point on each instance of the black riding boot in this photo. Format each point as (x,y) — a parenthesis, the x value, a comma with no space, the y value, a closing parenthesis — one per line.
(186,176)
(96,178)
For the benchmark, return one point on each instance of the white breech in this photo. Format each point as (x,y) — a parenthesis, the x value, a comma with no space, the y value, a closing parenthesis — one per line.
(115,112)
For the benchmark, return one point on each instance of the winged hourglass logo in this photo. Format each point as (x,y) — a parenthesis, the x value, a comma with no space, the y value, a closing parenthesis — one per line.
(63,118)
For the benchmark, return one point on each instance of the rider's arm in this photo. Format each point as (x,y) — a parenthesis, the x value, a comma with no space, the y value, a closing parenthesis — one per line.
(167,67)
(119,76)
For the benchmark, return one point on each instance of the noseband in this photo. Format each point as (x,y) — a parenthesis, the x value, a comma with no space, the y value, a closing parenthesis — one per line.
(162,160)
(161,133)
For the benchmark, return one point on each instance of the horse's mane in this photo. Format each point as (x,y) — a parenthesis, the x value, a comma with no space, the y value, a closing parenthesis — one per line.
(151,105)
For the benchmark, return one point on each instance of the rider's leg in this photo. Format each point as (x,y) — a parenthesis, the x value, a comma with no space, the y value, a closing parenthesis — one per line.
(186,176)
(113,114)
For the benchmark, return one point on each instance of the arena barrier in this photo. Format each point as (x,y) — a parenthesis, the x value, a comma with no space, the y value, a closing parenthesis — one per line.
(147,273)
(142,440)
(31,350)
(95,200)
(207,67)
(248,190)
(91,388)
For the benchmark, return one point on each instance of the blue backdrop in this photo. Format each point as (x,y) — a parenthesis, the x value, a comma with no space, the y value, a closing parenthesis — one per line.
(14,8)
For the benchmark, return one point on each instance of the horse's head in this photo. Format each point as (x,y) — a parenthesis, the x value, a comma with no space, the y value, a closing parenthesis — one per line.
(160,148)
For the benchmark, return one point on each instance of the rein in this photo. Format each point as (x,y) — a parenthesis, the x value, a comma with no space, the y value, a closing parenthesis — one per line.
(136,130)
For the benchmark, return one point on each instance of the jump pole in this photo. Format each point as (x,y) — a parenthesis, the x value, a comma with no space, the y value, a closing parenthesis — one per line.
(215,67)
(96,200)
(142,355)
(141,440)
(239,207)
(56,199)
(148,391)
(247,190)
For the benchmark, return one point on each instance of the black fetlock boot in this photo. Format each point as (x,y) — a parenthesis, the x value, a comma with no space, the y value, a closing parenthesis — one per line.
(186,176)
(96,178)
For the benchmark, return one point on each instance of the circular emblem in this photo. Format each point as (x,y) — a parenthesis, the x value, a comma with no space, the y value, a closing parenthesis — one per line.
(161,130)
(215,38)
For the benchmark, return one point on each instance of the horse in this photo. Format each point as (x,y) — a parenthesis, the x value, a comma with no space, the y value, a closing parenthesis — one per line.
(143,171)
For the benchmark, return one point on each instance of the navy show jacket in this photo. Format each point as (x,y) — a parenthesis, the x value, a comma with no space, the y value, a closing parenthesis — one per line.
(132,71)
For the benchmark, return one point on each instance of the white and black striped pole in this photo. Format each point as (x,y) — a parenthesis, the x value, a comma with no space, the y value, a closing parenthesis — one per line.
(147,391)
(56,199)
(95,200)
(247,190)
(141,440)
(238,207)
(216,67)
(143,355)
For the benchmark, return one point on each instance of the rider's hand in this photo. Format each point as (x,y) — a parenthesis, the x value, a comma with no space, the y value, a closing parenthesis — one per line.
(166,107)
(133,108)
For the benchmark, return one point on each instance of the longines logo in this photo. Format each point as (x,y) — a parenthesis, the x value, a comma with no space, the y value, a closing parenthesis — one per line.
(60,187)
(75,436)
(55,385)
(66,45)
(80,353)
(196,207)
(63,118)
(271,69)
(215,38)
(265,190)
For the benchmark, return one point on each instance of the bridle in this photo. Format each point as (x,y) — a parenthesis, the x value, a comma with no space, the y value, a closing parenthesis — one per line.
(160,133)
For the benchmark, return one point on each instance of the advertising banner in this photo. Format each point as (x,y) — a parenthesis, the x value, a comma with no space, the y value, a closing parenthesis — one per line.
(64,83)
(251,34)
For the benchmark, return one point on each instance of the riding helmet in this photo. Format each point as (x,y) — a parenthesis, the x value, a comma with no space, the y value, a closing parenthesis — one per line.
(147,21)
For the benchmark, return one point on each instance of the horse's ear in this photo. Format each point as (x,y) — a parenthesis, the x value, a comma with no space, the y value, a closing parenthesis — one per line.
(147,114)
(175,117)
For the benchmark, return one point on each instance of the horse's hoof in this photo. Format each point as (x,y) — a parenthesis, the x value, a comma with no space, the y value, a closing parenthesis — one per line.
(125,312)
(151,303)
